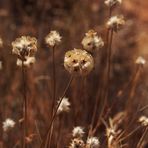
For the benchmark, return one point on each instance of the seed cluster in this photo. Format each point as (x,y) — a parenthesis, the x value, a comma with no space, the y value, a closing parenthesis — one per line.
(78,62)
(91,42)
(25,48)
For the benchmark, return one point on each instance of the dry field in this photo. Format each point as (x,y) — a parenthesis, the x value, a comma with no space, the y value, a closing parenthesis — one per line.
(73,74)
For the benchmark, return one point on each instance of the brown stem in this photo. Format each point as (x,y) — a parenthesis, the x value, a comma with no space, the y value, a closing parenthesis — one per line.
(54,91)
(97,99)
(54,114)
(142,138)
(107,83)
(24,105)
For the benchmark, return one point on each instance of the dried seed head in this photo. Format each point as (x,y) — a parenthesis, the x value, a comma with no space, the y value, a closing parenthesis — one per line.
(111,3)
(92,142)
(91,42)
(29,61)
(8,124)
(1,42)
(53,38)
(64,106)
(140,61)
(78,62)
(115,23)
(77,143)
(24,46)
(143,120)
(78,132)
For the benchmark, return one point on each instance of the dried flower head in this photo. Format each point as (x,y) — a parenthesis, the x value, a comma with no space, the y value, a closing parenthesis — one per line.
(1,65)
(78,132)
(78,62)
(1,42)
(115,23)
(92,41)
(77,143)
(8,124)
(64,106)
(53,38)
(24,46)
(29,61)
(140,61)
(92,142)
(111,3)
(143,120)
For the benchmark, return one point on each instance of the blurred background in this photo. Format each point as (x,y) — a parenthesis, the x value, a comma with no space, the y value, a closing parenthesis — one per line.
(72,19)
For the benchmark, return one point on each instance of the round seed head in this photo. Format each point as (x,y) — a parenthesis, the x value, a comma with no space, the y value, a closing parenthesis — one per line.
(53,38)
(24,46)
(91,42)
(115,23)
(78,62)
(111,3)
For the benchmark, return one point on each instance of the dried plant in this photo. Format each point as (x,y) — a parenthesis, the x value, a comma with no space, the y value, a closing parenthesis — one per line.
(101,84)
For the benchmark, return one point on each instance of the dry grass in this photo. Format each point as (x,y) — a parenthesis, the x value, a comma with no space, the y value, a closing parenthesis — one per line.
(107,103)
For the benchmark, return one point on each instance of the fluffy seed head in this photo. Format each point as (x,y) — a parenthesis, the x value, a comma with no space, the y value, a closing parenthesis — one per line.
(24,46)
(78,132)
(91,42)
(8,124)
(92,142)
(115,23)
(53,38)
(1,42)
(64,106)
(1,65)
(140,61)
(29,61)
(111,3)
(143,120)
(77,143)
(78,62)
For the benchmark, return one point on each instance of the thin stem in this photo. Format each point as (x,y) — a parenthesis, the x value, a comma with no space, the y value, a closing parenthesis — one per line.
(97,100)
(24,105)
(55,113)
(142,138)
(143,108)
(107,84)
(130,134)
(54,90)
(37,128)
(54,78)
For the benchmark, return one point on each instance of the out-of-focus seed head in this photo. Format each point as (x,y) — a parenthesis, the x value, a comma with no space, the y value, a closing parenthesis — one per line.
(78,62)
(140,61)
(1,65)
(77,143)
(53,38)
(1,42)
(143,120)
(92,142)
(111,3)
(24,46)
(91,42)
(115,23)
(64,106)
(8,124)
(78,132)
(27,63)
